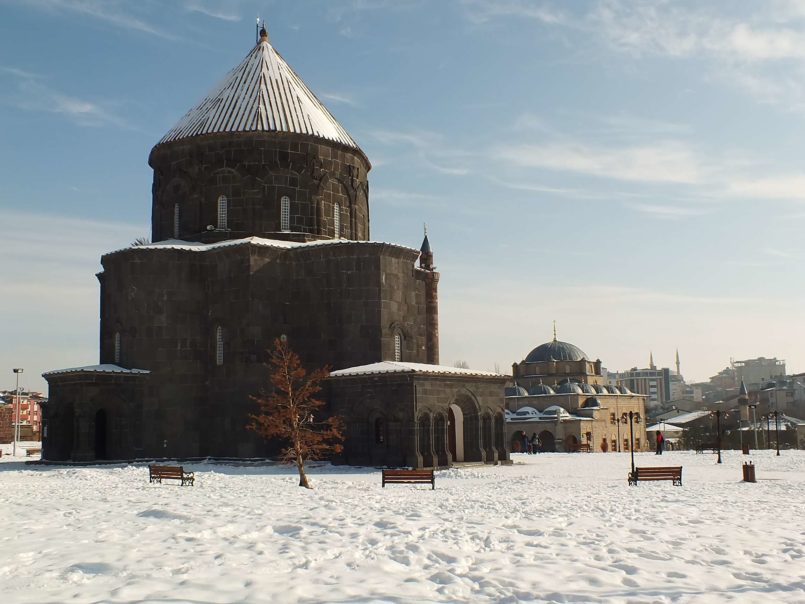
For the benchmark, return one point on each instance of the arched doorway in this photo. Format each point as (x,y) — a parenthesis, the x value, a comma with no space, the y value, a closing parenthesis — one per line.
(100,434)
(571,443)
(425,440)
(547,441)
(455,432)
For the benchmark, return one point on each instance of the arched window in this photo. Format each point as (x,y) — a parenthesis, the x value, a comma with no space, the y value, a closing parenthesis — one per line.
(176,221)
(222,212)
(380,430)
(337,221)
(219,345)
(117,347)
(397,347)
(285,214)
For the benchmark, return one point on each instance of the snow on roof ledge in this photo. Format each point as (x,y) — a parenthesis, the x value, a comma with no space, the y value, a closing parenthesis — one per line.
(400,367)
(106,368)
(197,246)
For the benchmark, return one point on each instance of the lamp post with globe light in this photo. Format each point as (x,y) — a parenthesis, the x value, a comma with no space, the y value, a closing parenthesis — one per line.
(718,413)
(17,371)
(632,418)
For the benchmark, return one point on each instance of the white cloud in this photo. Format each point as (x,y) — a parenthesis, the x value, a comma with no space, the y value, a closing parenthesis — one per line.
(336,97)
(668,212)
(481,11)
(790,187)
(214,9)
(666,162)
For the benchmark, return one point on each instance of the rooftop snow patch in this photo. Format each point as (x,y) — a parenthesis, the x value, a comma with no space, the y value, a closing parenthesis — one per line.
(197,246)
(105,368)
(400,367)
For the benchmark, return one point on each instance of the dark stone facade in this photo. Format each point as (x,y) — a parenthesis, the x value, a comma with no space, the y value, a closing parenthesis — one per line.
(420,419)
(185,325)
(254,171)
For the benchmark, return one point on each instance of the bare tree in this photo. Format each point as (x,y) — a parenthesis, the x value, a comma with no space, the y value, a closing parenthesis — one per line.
(291,412)
(144,240)
(461,365)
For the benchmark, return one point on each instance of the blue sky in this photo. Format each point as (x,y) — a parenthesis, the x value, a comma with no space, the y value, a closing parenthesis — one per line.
(632,170)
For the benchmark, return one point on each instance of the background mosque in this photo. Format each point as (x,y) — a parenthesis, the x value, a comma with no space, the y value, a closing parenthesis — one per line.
(562,396)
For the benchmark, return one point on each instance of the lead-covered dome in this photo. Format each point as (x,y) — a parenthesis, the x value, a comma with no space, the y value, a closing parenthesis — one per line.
(556,351)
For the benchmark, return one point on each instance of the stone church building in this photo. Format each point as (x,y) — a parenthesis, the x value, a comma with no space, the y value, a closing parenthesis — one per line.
(260,229)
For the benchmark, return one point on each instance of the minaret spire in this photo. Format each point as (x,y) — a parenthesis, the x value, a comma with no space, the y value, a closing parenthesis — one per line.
(554,330)
(678,372)
(651,364)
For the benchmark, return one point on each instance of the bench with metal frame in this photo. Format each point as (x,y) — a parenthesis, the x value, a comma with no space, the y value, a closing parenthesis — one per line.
(160,473)
(673,473)
(409,477)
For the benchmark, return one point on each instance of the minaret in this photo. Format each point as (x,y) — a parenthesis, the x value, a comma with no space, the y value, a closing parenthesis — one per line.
(651,364)
(678,371)
(431,301)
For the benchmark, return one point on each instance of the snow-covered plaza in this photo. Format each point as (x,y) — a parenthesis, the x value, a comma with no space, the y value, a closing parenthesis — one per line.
(549,528)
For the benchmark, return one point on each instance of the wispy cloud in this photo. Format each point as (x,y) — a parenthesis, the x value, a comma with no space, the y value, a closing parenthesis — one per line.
(668,162)
(28,92)
(336,97)
(429,148)
(791,186)
(668,212)
(216,10)
(481,11)
(117,13)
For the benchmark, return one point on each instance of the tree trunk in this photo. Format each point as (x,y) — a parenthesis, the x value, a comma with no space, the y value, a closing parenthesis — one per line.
(300,465)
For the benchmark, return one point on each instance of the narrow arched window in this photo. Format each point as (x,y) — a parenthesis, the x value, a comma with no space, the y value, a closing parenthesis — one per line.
(176,221)
(117,347)
(222,212)
(380,430)
(337,221)
(219,345)
(397,347)
(285,214)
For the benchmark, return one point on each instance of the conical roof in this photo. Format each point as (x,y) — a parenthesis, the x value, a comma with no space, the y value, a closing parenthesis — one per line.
(262,94)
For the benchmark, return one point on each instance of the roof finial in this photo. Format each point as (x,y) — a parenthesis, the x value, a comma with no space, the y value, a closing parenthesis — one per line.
(425,227)
(262,32)
(554,330)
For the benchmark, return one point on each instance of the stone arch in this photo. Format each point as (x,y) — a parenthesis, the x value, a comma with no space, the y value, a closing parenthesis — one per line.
(425,440)
(547,441)
(465,428)
(443,457)
(487,437)
(571,443)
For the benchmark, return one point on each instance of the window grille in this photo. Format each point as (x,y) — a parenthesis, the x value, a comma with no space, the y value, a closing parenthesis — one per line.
(117,347)
(397,347)
(176,221)
(337,221)
(222,212)
(219,345)
(285,214)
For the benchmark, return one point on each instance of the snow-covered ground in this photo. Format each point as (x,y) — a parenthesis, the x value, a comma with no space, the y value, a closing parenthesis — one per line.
(551,527)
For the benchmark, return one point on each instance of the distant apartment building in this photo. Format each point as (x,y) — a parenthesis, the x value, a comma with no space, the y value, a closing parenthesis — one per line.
(756,372)
(652,382)
(30,414)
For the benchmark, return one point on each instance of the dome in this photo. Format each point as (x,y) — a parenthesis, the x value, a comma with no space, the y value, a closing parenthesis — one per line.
(601,389)
(569,388)
(591,403)
(625,390)
(541,389)
(556,351)
(515,391)
(555,412)
(587,389)
(613,390)
(525,413)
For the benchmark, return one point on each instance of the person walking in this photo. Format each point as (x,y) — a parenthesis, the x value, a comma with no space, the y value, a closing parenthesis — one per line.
(660,442)
(535,443)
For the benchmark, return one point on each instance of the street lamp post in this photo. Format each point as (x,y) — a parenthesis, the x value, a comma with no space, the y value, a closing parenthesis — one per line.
(718,413)
(776,415)
(754,423)
(632,417)
(17,371)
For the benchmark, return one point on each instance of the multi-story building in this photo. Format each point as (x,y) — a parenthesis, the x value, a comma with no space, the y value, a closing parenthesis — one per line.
(755,372)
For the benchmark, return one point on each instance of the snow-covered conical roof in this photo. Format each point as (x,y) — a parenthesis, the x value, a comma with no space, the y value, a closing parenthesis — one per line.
(262,94)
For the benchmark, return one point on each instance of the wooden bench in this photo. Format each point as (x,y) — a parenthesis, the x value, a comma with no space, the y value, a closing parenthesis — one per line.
(409,476)
(702,447)
(29,452)
(673,473)
(583,448)
(160,473)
